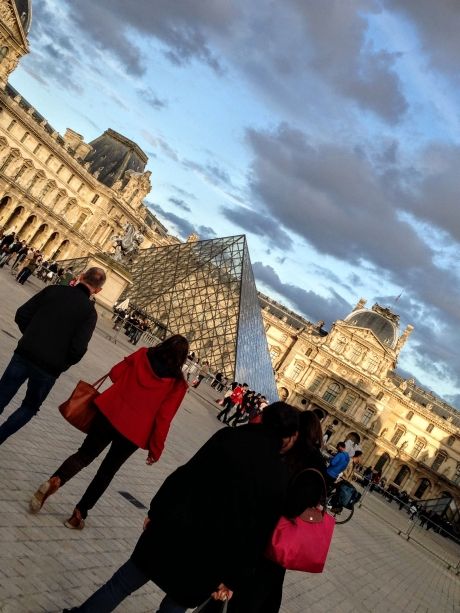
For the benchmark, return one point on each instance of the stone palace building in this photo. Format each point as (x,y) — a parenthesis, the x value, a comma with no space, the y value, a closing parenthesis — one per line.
(62,195)
(68,198)
(348,373)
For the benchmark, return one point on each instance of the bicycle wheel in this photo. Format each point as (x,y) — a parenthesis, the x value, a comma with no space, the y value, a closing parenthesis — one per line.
(342,515)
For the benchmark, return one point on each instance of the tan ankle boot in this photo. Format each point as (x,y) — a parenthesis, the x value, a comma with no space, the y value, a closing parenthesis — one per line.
(76,521)
(44,491)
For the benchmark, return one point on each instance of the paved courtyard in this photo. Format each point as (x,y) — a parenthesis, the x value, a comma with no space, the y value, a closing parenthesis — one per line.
(45,567)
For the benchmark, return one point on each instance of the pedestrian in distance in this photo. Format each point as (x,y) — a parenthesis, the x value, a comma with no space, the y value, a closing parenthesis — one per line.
(242,408)
(204,372)
(30,266)
(337,464)
(234,400)
(226,401)
(135,412)
(201,540)
(56,324)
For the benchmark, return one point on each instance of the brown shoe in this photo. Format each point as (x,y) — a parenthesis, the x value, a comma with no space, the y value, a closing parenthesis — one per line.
(44,491)
(76,522)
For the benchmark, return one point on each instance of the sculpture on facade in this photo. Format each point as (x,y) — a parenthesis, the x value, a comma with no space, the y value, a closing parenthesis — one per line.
(127,245)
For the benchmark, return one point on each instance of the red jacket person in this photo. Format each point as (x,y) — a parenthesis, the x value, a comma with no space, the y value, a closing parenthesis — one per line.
(136,411)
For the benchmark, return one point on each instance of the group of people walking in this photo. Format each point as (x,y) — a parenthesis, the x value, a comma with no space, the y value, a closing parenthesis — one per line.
(247,405)
(253,474)
(25,260)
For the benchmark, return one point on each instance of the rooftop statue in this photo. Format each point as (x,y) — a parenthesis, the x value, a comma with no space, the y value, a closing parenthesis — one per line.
(127,245)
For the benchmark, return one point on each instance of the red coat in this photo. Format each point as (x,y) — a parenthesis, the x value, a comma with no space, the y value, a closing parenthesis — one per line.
(139,404)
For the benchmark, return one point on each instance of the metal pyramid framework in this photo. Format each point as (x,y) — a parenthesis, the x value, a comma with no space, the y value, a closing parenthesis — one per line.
(205,290)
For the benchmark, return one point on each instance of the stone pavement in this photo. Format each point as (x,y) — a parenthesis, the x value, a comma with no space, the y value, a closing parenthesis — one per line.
(45,567)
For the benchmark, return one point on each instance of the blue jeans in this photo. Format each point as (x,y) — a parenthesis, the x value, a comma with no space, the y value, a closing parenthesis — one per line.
(124,582)
(39,385)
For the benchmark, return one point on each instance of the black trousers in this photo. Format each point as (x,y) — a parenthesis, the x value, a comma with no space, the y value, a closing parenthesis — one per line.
(237,417)
(227,407)
(101,434)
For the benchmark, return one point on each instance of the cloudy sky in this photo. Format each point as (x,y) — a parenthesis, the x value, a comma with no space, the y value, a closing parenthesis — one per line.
(326,130)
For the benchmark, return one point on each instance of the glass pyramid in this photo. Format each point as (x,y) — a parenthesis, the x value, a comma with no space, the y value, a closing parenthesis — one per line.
(205,290)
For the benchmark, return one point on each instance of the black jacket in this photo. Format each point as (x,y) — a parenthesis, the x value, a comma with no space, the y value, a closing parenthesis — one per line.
(212,518)
(57,325)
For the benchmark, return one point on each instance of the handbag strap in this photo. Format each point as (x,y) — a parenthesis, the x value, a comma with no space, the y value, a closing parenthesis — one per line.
(202,606)
(97,384)
(318,472)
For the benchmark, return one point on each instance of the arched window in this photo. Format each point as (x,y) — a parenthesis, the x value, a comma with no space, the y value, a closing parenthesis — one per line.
(348,402)
(397,435)
(380,396)
(333,390)
(3,53)
(423,486)
(451,440)
(316,383)
(309,350)
(384,458)
(402,475)
(410,415)
(429,428)
(419,445)
(439,459)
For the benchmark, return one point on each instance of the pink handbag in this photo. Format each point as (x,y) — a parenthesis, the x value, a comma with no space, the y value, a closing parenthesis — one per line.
(302,543)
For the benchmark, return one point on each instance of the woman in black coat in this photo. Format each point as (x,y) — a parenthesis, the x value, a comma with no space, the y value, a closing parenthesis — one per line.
(211,519)
(264,592)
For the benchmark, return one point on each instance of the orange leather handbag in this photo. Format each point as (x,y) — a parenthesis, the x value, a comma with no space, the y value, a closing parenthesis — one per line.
(80,410)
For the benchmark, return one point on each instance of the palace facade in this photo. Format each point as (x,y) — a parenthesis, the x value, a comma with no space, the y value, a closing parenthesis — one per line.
(62,195)
(348,373)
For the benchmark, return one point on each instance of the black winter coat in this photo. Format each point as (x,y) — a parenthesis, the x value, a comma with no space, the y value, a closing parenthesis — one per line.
(57,324)
(212,518)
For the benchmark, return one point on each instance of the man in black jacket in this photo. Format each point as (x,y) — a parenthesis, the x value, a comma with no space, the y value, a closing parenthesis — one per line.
(211,520)
(56,325)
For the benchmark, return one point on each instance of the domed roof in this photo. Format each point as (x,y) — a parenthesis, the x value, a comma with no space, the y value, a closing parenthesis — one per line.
(384,328)
(24,9)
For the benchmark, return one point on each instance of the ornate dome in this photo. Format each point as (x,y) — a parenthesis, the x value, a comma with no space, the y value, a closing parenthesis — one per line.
(24,9)
(382,322)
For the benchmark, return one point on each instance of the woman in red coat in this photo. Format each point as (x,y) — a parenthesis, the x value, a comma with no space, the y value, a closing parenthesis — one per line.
(136,411)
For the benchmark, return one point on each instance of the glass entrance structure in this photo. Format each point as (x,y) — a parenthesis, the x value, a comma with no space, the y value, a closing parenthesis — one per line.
(205,290)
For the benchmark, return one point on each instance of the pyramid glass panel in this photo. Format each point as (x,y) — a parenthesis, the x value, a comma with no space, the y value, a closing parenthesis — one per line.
(205,290)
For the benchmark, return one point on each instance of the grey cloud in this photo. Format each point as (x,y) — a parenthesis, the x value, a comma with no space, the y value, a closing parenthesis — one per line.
(259,224)
(307,302)
(435,189)
(278,50)
(183,192)
(181,204)
(162,144)
(332,196)
(152,99)
(180,26)
(183,226)
(350,64)
(438,25)
(211,172)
